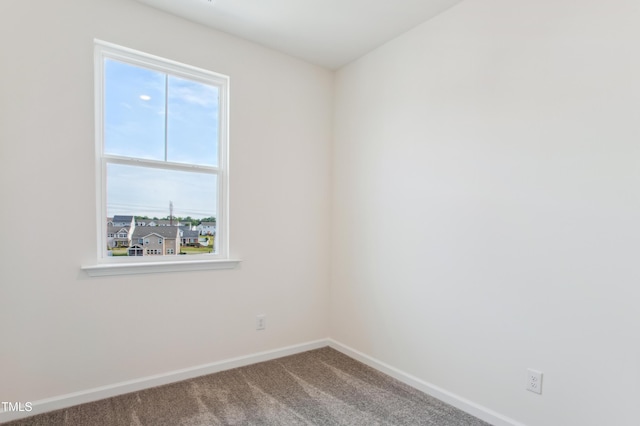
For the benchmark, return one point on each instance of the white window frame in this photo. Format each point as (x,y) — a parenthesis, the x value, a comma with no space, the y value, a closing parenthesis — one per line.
(124,265)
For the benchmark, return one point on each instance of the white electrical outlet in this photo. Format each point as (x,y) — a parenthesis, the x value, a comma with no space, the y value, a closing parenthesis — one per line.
(261,322)
(534,381)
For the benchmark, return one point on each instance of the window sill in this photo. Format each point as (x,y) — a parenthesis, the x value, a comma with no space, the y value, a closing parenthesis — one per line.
(109,269)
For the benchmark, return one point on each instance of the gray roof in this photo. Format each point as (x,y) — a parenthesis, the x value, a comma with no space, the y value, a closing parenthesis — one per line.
(190,234)
(208,224)
(116,229)
(163,231)
(120,218)
(165,222)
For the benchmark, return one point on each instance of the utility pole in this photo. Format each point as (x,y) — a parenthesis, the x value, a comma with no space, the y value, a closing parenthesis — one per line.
(170,213)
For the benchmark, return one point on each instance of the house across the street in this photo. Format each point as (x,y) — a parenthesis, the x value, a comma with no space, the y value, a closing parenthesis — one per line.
(151,241)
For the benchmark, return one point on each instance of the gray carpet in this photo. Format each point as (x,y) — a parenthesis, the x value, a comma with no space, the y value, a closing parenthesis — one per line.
(319,387)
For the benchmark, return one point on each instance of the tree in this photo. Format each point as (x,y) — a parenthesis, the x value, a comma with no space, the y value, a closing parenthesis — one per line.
(208,219)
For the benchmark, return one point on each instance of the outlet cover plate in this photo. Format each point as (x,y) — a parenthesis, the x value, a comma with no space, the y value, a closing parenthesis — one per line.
(534,381)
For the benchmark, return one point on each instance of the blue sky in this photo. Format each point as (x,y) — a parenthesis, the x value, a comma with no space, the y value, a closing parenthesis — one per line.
(135,105)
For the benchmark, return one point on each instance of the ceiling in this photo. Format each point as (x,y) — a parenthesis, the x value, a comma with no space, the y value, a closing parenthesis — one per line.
(330,33)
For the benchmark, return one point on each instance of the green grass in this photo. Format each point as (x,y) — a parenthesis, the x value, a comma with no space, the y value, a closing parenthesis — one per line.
(195,250)
(119,251)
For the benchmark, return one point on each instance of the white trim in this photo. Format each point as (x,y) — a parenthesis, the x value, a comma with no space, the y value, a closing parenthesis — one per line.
(457,401)
(107,269)
(101,196)
(95,394)
(158,63)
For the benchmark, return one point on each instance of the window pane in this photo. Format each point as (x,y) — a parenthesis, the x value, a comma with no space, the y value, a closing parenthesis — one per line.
(193,123)
(134,108)
(144,191)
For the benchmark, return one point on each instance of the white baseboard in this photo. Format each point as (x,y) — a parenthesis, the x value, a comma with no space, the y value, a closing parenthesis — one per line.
(463,404)
(95,394)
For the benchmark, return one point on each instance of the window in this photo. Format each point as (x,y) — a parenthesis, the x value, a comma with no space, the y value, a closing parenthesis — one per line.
(161,148)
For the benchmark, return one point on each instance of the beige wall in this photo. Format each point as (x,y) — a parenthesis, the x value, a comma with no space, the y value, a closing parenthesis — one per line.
(63,332)
(485,203)
(486,206)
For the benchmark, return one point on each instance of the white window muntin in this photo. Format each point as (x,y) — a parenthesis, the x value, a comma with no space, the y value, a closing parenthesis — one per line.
(104,50)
